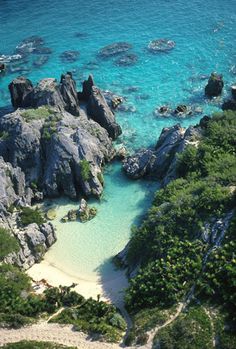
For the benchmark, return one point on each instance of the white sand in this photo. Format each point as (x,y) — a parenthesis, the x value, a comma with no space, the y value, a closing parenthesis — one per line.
(111,290)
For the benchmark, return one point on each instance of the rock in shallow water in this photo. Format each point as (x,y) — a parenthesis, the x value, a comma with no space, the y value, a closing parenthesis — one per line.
(126,60)
(114,49)
(70,56)
(161,45)
(29,45)
(214,86)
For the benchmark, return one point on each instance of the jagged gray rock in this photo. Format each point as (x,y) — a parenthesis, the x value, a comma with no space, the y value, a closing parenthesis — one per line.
(100,112)
(215,85)
(160,163)
(53,160)
(62,96)
(19,88)
(87,89)
(34,241)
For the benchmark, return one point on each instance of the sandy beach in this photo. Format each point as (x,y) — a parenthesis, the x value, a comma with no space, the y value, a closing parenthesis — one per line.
(111,291)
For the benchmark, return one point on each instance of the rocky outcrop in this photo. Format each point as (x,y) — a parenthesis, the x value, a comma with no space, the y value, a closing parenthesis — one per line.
(100,112)
(62,96)
(34,241)
(13,190)
(229,105)
(69,94)
(214,86)
(53,151)
(19,88)
(86,89)
(160,162)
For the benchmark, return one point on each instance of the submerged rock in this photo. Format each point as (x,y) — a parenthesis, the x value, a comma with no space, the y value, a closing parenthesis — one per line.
(215,85)
(70,56)
(42,51)
(40,61)
(51,214)
(126,60)
(114,49)
(161,45)
(10,58)
(29,45)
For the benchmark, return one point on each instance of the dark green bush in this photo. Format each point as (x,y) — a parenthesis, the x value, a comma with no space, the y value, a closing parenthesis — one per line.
(29,215)
(8,243)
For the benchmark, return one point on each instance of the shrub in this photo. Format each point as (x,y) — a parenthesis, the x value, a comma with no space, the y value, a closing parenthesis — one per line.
(8,243)
(85,170)
(29,215)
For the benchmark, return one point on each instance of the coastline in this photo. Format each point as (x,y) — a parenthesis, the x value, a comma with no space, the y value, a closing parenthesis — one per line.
(109,291)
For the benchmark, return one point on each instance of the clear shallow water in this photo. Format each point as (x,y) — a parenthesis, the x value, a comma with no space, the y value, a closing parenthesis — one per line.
(205,36)
(85,249)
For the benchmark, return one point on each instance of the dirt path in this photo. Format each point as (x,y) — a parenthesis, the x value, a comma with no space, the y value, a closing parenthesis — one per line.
(52,333)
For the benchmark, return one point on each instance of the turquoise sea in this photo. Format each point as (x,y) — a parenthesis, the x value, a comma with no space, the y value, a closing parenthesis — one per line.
(205,36)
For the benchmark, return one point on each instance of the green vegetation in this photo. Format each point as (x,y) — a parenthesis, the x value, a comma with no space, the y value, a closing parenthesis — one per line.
(35,345)
(169,245)
(19,306)
(190,330)
(94,317)
(85,169)
(37,114)
(29,215)
(50,126)
(8,243)
(4,135)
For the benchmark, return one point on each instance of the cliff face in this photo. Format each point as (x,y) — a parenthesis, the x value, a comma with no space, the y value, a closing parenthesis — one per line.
(54,146)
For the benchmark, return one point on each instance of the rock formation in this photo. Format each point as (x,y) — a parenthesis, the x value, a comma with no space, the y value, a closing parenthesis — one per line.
(214,86)
(100,112)
(160,162)
(62,96)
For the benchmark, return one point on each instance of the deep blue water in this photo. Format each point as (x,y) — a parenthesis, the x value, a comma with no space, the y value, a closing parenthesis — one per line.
(205,36)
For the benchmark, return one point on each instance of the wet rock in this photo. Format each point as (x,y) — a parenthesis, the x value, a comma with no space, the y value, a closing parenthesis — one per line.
(215,85)
(126,60)
(182,110)
(112,99)
(20,70)
(233,91)
(86,89)
(143,97)
(100,112)
(72,215)
(114,49)
(29,45)
(86,213)
(121,152)
(9,59)
(81,35)
(70,56)
(204,121)
(229,105)
(130,89)
(2,67)
(40,61)
(163,111)
(126,108)
(19,89)
(42,51)
(161,45)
